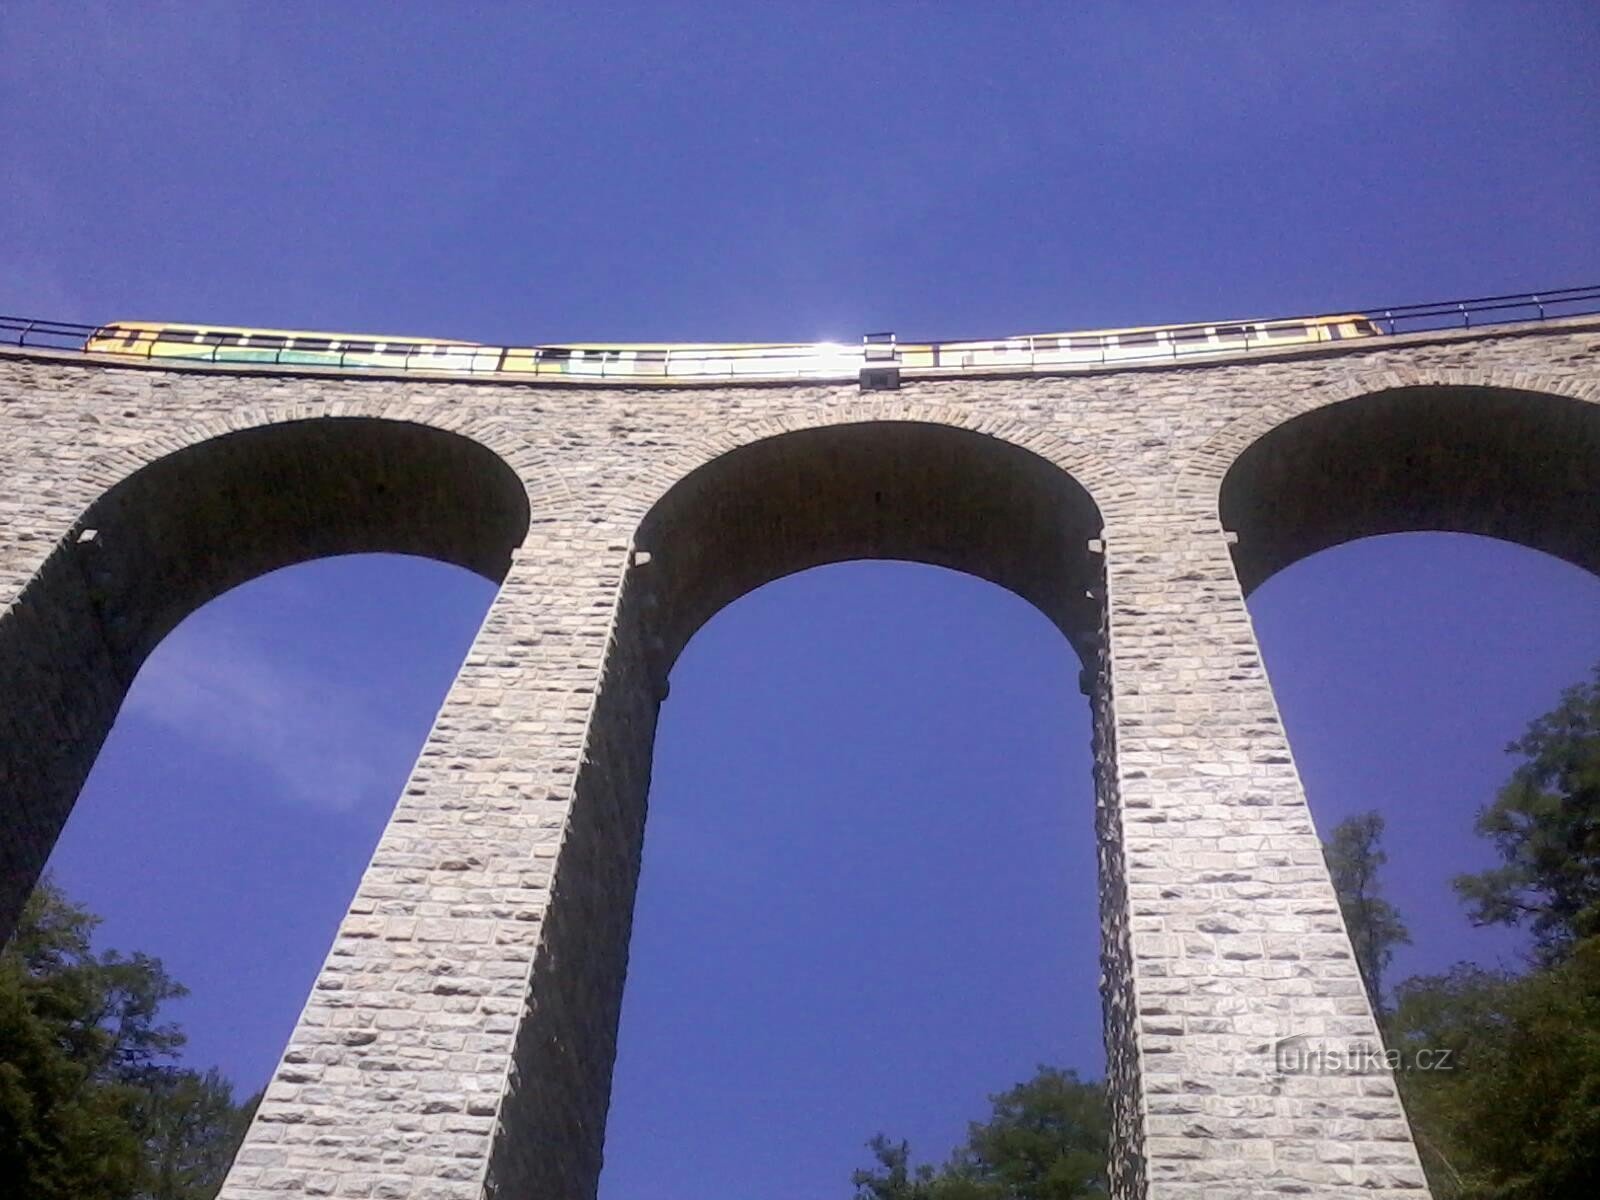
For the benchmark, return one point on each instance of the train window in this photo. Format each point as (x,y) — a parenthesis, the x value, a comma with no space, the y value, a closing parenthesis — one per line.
(1084,343)
(171,334)
(358,347)
(1148,338)
(1230,331)
(650,356)
(311,343)
(558,353)
(1286,331)
(267,341)
(1188,335)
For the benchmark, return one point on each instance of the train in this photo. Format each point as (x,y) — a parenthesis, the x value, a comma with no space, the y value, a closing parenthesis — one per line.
(704,362)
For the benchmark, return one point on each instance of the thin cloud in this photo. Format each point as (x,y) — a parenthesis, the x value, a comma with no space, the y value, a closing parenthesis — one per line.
(323,740)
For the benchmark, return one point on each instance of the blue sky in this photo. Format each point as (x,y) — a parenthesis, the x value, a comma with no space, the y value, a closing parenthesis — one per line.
(868,895)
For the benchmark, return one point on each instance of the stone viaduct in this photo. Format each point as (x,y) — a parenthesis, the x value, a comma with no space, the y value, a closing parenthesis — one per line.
(459,1040)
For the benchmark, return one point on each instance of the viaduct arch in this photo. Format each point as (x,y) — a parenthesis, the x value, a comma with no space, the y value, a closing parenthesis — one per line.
(1503,461)
(188,526)
(458,1041)
(914,490)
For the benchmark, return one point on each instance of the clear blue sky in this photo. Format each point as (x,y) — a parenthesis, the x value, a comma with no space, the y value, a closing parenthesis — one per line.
(868,895)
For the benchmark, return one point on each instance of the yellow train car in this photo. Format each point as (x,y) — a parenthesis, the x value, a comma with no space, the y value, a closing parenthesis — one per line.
(290,347)
(687,362)
(1092,346)
(704,362)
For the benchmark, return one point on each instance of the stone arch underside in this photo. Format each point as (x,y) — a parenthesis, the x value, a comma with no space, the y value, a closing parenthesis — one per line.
(911,490)
(189,526)
(1517,465)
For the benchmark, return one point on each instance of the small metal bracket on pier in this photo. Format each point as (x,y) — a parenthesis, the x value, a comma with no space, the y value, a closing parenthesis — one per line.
(880,363)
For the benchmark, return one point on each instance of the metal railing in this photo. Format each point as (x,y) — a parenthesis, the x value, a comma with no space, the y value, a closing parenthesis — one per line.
(1501,310)
(54,335)
(691,363)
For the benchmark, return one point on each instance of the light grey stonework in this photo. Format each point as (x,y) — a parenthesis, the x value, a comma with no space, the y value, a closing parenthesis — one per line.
(459,1040)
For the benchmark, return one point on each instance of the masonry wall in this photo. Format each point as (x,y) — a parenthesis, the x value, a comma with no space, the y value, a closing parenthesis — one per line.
(459,1039)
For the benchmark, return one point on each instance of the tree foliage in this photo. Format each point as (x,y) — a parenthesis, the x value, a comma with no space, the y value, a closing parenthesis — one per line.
(191,1130)
(1518,1118)
(92,1103)
(1545,823)
(1517,1115)
(1355,856)
(1045,1139)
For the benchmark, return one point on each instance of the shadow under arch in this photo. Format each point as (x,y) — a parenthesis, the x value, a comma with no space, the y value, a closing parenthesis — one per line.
(189,526)
(1521,466)
(907,490)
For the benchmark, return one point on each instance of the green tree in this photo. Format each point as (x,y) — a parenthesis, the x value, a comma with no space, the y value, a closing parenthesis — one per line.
(1354,852)
(1517,1117)
(1045,1139)
(1545,823)
(92,1105)
(191,1129)
(893,1177)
